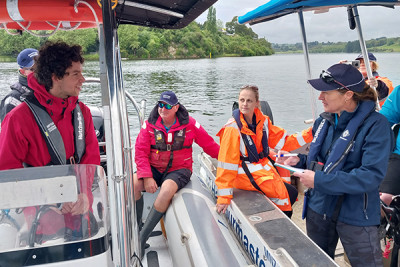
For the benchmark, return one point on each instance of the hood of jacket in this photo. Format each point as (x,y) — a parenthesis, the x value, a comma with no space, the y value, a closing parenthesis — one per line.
(55,106)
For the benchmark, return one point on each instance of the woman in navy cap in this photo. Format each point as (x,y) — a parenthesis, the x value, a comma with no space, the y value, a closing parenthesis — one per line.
(347,161)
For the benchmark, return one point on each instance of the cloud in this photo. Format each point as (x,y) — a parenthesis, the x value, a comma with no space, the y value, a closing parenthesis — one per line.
(326,27)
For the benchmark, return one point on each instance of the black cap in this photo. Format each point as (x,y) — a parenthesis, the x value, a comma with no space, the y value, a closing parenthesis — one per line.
(339,76)
(371,57)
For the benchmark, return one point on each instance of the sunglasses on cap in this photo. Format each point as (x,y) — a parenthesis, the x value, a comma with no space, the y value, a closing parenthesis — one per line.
(327,77)
(162,105)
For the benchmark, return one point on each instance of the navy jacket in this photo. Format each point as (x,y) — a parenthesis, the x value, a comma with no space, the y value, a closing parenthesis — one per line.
(363,171)
(14,98)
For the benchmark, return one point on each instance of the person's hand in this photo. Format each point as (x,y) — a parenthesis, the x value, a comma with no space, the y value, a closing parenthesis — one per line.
(373,82)
(343,61)
(81,206)
(386,198)
(281,159)
(222,208)
(150,185)
(306,178)
(291,161)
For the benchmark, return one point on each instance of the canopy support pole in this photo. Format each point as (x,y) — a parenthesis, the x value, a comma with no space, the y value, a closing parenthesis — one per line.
(124,229)
(363,47)
(307,61)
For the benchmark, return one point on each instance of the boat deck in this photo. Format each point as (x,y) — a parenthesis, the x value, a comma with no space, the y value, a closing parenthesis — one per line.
(297,210)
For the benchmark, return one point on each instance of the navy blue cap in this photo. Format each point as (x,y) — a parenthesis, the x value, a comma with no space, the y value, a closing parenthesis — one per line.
(169,97)
(25,59)
(371,56)
(339,76)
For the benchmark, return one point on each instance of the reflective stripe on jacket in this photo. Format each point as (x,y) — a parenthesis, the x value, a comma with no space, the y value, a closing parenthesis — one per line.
(230,174)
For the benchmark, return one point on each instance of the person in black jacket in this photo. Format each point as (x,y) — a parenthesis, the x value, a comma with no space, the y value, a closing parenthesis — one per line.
(26,63)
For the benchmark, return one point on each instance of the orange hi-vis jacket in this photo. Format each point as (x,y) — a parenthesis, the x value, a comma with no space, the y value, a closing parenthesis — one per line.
(230,173)
(302,138)
(389,84)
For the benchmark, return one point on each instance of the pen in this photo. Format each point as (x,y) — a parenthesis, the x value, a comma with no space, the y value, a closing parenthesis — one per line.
(287,155)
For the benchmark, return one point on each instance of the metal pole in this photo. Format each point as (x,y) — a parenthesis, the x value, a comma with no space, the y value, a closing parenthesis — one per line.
(363,47)
(116,170)
(307,61)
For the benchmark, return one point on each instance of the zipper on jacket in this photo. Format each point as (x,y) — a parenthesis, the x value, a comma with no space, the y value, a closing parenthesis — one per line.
(365,205)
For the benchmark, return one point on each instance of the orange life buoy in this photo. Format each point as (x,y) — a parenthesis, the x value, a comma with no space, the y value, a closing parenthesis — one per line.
(36,14)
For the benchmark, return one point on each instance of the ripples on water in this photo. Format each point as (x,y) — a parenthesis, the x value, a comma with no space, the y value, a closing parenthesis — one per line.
(208,87)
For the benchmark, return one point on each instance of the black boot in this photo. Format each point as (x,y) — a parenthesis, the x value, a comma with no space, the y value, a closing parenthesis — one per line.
(139,212)
(151,221)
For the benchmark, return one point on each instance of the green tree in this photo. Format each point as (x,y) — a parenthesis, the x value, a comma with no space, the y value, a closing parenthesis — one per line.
(87,38)
(234,27)
(211,23)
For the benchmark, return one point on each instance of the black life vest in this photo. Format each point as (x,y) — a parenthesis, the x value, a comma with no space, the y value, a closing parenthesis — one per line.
(342,146)
(161,144)
(253,155)
(52,135)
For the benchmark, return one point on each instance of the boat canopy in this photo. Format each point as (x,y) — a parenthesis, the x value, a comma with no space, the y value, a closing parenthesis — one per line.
(73,14)
(278,8)
(166,14)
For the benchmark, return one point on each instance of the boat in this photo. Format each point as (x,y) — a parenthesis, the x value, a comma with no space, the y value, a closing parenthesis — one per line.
(192,232)
(108,234)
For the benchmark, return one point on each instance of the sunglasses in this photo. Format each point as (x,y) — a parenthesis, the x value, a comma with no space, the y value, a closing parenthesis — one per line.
(327,77)
(162,105)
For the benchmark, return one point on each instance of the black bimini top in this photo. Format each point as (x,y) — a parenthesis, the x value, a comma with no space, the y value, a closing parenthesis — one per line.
(164,14)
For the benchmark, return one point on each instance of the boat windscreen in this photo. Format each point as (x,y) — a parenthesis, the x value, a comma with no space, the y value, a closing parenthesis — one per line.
(45,207)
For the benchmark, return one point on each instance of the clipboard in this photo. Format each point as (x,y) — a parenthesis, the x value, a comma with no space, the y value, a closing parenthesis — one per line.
(290,168)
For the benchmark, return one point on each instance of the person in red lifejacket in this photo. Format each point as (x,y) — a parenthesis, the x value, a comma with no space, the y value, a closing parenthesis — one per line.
(163,156)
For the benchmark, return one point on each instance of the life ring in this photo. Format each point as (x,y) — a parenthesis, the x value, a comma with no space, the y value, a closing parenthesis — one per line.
(34,18)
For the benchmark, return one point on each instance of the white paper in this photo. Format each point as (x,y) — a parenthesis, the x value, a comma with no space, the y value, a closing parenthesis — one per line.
(290,168)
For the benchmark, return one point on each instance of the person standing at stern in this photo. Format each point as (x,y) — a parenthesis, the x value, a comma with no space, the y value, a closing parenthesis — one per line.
(26,62)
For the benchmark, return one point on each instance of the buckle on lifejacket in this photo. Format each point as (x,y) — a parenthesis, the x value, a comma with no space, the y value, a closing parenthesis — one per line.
(169,147)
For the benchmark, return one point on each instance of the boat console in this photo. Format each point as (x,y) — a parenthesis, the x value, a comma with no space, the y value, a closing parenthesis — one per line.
(35,224)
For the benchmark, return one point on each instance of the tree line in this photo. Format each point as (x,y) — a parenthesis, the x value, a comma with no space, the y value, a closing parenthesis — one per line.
(381,44)
(194,41)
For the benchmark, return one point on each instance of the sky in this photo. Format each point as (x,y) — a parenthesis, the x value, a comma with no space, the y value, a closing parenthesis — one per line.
(327,27)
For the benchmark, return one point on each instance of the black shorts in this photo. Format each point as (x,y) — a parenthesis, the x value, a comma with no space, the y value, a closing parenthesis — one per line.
(181,177)
(391,182)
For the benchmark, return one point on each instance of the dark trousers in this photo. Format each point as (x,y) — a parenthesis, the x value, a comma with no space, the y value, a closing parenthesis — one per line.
(293,193)
(361,244)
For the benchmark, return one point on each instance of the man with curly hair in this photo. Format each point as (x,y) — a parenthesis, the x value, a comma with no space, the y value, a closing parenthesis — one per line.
(51,126)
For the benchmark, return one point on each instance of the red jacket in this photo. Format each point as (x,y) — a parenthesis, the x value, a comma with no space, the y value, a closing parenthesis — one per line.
(145,156)
(21,139)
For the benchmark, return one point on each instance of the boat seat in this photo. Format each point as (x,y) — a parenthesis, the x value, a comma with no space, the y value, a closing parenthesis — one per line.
(277,230)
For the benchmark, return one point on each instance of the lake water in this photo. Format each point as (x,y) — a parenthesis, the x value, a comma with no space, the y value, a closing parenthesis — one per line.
(208,87)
